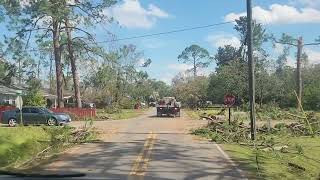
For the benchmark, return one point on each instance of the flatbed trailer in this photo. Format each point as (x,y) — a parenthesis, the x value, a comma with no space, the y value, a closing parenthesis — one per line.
(169,107)
(168,111)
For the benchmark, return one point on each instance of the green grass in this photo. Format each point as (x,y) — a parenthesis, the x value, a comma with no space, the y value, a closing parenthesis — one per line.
(302,151)
(274,164)
(21,143)
(122,114)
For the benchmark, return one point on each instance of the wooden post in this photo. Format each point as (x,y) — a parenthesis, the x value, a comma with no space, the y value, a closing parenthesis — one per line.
(251,64)
(299,78)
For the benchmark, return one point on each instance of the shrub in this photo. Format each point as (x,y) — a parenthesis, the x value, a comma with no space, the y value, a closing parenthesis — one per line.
(127,103)
(34,98)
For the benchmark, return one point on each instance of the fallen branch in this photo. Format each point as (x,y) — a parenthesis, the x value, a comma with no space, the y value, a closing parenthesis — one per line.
(294,115)
(35,157)
(296,166)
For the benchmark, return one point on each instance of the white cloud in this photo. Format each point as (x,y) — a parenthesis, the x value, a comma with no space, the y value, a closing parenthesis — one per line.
(167,78)
(278,49)
(291,61)
(280,14)
(132,15)
(141,61)
(179,67)
(313,56)
(221,40)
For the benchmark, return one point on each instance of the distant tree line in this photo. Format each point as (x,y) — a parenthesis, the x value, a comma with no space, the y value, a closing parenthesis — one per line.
(52,38)
(275,80)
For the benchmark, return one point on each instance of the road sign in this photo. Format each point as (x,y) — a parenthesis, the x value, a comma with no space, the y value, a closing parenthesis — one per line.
(19,102)
(229,100)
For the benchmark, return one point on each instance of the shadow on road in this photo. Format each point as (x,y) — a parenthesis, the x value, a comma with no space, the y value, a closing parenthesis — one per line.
(114,160)
(162,117)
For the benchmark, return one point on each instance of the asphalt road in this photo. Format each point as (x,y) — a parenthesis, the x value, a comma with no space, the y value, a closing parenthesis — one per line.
(146,147)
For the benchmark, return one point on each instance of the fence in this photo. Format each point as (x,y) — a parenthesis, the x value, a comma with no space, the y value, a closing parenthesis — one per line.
(78,112)
(5,108)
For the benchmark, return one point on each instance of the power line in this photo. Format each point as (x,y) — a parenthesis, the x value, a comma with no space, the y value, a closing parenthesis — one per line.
(168,32)
(155,34)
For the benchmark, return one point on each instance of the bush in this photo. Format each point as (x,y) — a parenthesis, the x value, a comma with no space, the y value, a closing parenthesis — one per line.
(34,98)
(127,103)
(112,109)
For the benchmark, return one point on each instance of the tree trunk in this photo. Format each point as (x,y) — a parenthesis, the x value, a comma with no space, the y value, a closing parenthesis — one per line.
(194,68)
(118,86)
(51,74)
(57,59)
(299,78)
(38,72)
(75,75)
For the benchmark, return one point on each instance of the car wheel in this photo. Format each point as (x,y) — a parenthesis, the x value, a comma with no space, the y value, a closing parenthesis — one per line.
(51,122)
(12,122)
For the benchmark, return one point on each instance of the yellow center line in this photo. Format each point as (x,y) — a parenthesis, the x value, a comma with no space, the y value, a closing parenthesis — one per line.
(141,163)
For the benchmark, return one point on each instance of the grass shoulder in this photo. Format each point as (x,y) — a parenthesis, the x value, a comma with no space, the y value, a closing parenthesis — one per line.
(25,146)
(284,151)
(302,152)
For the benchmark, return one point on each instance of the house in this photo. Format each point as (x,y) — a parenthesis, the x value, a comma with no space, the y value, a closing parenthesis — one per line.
(51,99)
(9,94)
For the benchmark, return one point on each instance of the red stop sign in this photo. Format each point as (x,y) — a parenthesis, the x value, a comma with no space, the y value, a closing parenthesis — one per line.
(229,100)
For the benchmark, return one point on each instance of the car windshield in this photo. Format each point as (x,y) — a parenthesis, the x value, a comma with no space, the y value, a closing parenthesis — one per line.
(161,89)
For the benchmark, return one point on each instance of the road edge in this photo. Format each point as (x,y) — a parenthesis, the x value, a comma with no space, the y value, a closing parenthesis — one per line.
(235,165)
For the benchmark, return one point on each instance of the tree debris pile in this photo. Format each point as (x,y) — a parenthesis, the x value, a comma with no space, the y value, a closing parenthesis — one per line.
(219,130)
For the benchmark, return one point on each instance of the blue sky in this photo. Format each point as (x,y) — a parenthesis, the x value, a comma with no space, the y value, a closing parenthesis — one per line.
(139,17)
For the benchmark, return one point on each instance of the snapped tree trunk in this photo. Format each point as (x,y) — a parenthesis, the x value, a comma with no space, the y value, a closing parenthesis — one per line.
(299,78)
(75,75)
(194,68)
(57,59)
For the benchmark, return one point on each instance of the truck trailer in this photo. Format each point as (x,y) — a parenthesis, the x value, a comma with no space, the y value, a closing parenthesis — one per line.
(168,106)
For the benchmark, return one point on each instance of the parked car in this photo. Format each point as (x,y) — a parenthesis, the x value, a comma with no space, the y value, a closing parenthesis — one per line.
(35,115)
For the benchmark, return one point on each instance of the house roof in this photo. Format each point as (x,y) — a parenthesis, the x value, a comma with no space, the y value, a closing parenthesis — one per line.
(8,91)
(47,94)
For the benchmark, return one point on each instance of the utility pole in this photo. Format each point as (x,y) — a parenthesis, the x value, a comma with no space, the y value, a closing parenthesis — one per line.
(299,78)
(251,64)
